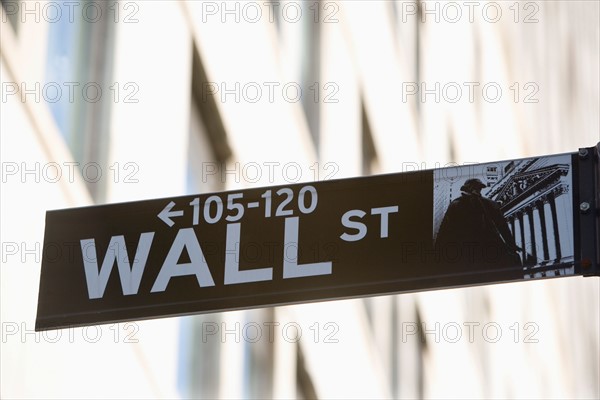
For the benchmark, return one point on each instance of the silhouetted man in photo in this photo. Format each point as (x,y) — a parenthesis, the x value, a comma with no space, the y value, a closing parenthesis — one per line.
(474,234)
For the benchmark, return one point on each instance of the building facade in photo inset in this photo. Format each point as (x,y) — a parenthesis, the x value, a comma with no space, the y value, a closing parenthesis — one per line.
(513,215)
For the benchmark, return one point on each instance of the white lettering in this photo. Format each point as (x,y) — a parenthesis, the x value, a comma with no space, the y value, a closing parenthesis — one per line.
(359,226)
(233,274)
(291,268)
(198,266)
(130,276)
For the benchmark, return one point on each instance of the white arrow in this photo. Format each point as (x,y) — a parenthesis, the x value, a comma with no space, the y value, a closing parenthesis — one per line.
(166,214)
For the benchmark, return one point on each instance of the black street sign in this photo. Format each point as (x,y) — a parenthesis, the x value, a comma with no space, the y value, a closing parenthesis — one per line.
(475,224)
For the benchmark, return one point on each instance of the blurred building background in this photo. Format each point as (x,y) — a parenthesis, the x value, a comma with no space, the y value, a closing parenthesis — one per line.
(120,100)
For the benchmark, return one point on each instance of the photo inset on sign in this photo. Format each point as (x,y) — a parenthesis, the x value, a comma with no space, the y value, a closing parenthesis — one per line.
(514,216)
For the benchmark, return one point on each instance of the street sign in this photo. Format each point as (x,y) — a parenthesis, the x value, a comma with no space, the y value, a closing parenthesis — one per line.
(466,225)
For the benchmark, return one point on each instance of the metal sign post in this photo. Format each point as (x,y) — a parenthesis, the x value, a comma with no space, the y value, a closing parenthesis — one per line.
(496,222)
